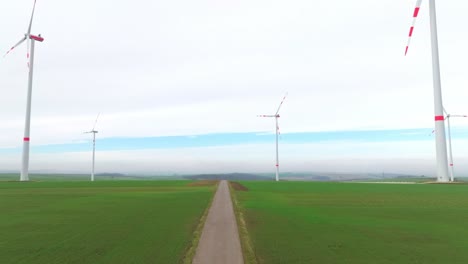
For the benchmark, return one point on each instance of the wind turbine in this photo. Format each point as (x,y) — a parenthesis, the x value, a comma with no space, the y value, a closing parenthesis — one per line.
(276,116)
(94,144)
(441,146)
(450,142)
(31,39)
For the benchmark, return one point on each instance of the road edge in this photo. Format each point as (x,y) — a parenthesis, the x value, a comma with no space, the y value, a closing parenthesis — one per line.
(192,249)
(248,250)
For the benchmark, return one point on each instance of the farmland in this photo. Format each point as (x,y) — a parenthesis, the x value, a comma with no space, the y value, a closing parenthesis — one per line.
(313,222)
(99,222)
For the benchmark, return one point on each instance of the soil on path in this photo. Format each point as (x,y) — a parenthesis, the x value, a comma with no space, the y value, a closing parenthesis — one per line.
(219,241)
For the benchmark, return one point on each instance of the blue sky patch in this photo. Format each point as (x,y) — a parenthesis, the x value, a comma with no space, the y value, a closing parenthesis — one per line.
(229,139)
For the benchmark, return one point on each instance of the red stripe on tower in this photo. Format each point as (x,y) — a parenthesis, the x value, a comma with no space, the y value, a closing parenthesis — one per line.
(26,139)
(439,118)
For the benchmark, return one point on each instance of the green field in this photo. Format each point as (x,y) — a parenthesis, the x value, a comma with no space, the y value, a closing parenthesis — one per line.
(314,222)
(99,222)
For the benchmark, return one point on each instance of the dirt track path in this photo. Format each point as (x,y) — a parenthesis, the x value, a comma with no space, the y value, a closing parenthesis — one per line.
(219,241)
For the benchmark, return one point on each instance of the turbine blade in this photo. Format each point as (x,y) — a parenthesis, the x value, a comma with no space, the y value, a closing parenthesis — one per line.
(277,111)
(32,15)
(95,122)
(266,116)
(16,45)
(415,15)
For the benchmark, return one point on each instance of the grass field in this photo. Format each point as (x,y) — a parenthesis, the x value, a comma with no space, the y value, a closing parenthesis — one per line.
(314,222)
(99,222)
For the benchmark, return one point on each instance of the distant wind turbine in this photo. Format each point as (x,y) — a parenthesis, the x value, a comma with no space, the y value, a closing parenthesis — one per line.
(31,39)
(94,144)
(276,116)
(441,146)
(450,143)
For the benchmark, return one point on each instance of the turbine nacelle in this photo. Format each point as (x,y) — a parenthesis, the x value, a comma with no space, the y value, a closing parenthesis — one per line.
(36,38)
(269,116)
(449,115)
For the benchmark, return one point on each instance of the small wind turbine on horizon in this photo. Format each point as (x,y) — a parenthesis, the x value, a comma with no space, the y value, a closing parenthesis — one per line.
(448,116)
(94,144)
(441,145)
(31,39)
(276,116)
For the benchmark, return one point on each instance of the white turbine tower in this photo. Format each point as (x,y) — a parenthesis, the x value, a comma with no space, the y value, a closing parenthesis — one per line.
(450,143)
(441,146)
(94,144)
(31,39)
(276,116)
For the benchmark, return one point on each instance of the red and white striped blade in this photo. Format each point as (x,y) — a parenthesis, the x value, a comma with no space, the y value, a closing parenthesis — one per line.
(415,15)
(16,45)
(30,21)
(266,116)
(277,111)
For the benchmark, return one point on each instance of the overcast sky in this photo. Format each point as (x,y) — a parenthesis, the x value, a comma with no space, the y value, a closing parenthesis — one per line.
(181,68)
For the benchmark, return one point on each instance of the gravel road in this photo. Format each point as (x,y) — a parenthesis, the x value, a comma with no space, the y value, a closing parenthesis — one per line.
(219,242)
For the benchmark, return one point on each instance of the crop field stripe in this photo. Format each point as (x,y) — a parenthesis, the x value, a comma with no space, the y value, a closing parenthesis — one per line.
(314,222)
(99,222)
(246,243)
